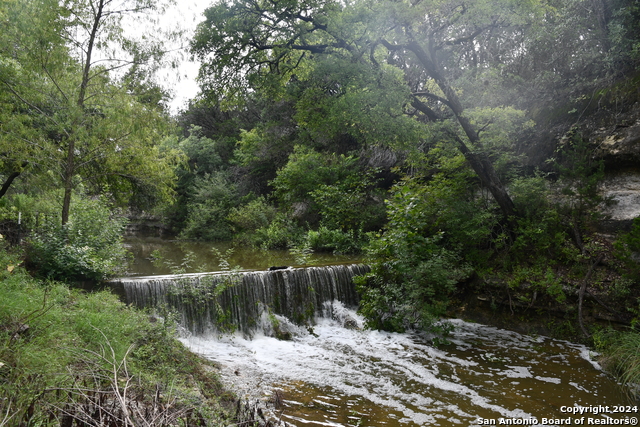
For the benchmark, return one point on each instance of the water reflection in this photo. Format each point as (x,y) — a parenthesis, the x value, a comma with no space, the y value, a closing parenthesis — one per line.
(194,257)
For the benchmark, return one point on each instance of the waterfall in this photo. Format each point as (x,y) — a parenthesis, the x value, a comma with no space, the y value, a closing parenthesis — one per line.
(224,302)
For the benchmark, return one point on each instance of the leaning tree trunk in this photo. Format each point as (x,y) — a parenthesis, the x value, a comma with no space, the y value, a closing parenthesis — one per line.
(481,165)
(7,183)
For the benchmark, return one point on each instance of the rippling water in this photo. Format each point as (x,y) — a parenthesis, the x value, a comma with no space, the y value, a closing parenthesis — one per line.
(336,376)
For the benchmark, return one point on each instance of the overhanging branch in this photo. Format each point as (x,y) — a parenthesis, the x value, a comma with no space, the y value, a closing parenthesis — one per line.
(432,96)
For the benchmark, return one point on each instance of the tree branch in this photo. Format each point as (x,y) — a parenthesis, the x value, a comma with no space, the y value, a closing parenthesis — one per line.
(7,183)
(434,97)
(424,108)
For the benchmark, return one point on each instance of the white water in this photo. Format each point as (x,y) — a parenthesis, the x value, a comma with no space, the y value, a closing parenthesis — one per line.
(337,376)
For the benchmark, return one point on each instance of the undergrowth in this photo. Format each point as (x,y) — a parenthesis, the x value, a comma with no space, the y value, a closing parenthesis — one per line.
(621,356)
(74,358)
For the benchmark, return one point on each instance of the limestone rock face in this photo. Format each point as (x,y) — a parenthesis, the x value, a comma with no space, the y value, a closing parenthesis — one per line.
(619,147)
(622,187)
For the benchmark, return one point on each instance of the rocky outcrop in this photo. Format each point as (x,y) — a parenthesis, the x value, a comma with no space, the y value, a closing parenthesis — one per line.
(614,138)
(622,189)
(619,147)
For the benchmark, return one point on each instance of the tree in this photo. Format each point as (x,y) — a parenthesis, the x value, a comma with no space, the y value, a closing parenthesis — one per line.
(262,44)
(22,138)
(90,127)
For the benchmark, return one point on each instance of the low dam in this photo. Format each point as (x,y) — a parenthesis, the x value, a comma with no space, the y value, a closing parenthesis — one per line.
(295,334)
(229,301)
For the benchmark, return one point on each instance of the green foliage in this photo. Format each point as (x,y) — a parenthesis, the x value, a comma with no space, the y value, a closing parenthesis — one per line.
(282,233)
(203,153)
(540,235)
(302,253)
(88,247)
(330,190)
(627,249)
(68,115)
(625,41)
(621,355)
(250,217)
(353,203)
(580,173)
(499,129)
(203,158)
(338,241)
(338,96)
(413,271)
(531,195)
(60,346)
(208,211)
(185,265)
(531,280)
(307,170)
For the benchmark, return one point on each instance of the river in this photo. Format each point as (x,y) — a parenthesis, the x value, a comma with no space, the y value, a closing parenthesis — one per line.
(341,376)
(193,257)
(335,373)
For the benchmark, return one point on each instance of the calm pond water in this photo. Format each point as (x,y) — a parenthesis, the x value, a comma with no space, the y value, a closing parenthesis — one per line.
(339,377)
(195,257)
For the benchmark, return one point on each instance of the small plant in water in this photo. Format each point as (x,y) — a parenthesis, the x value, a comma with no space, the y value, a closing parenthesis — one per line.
(159,260)
(223,259)
(302,253)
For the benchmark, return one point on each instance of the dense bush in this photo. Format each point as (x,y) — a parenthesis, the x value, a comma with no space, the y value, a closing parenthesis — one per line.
(88,247)
(282,233)
(307,170)
(627,249)
(250,217)
(214,196)
(338,241)
(414,271)
(352,204)
(621,354)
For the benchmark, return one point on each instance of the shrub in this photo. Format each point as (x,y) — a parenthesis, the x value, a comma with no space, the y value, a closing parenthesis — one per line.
(413,271)
(250,217)
(627,249)
(621,354)
(208,210)
(88,247)
(335,240)
(351,204)
(306,170)
(283,232)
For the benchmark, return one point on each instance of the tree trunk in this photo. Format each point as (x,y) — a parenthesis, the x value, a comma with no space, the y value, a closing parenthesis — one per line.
(9,181)
(70,168)
(478,161)
(581,293)
(68,181)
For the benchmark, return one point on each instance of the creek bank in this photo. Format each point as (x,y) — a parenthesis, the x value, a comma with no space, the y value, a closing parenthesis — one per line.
(529,309)
(143,225)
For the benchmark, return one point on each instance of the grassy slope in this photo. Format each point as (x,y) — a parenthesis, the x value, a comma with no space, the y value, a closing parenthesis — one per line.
(67,354)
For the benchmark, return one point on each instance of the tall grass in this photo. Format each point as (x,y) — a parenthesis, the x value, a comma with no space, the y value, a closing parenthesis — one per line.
(621,351)
(74,358)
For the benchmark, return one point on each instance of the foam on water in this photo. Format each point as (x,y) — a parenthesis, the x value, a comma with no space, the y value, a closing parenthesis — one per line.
(400,379)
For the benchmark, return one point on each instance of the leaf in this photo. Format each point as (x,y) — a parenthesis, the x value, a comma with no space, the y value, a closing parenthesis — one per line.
(10,268)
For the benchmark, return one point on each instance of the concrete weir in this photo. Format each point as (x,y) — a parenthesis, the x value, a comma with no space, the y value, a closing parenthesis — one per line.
(222,301)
